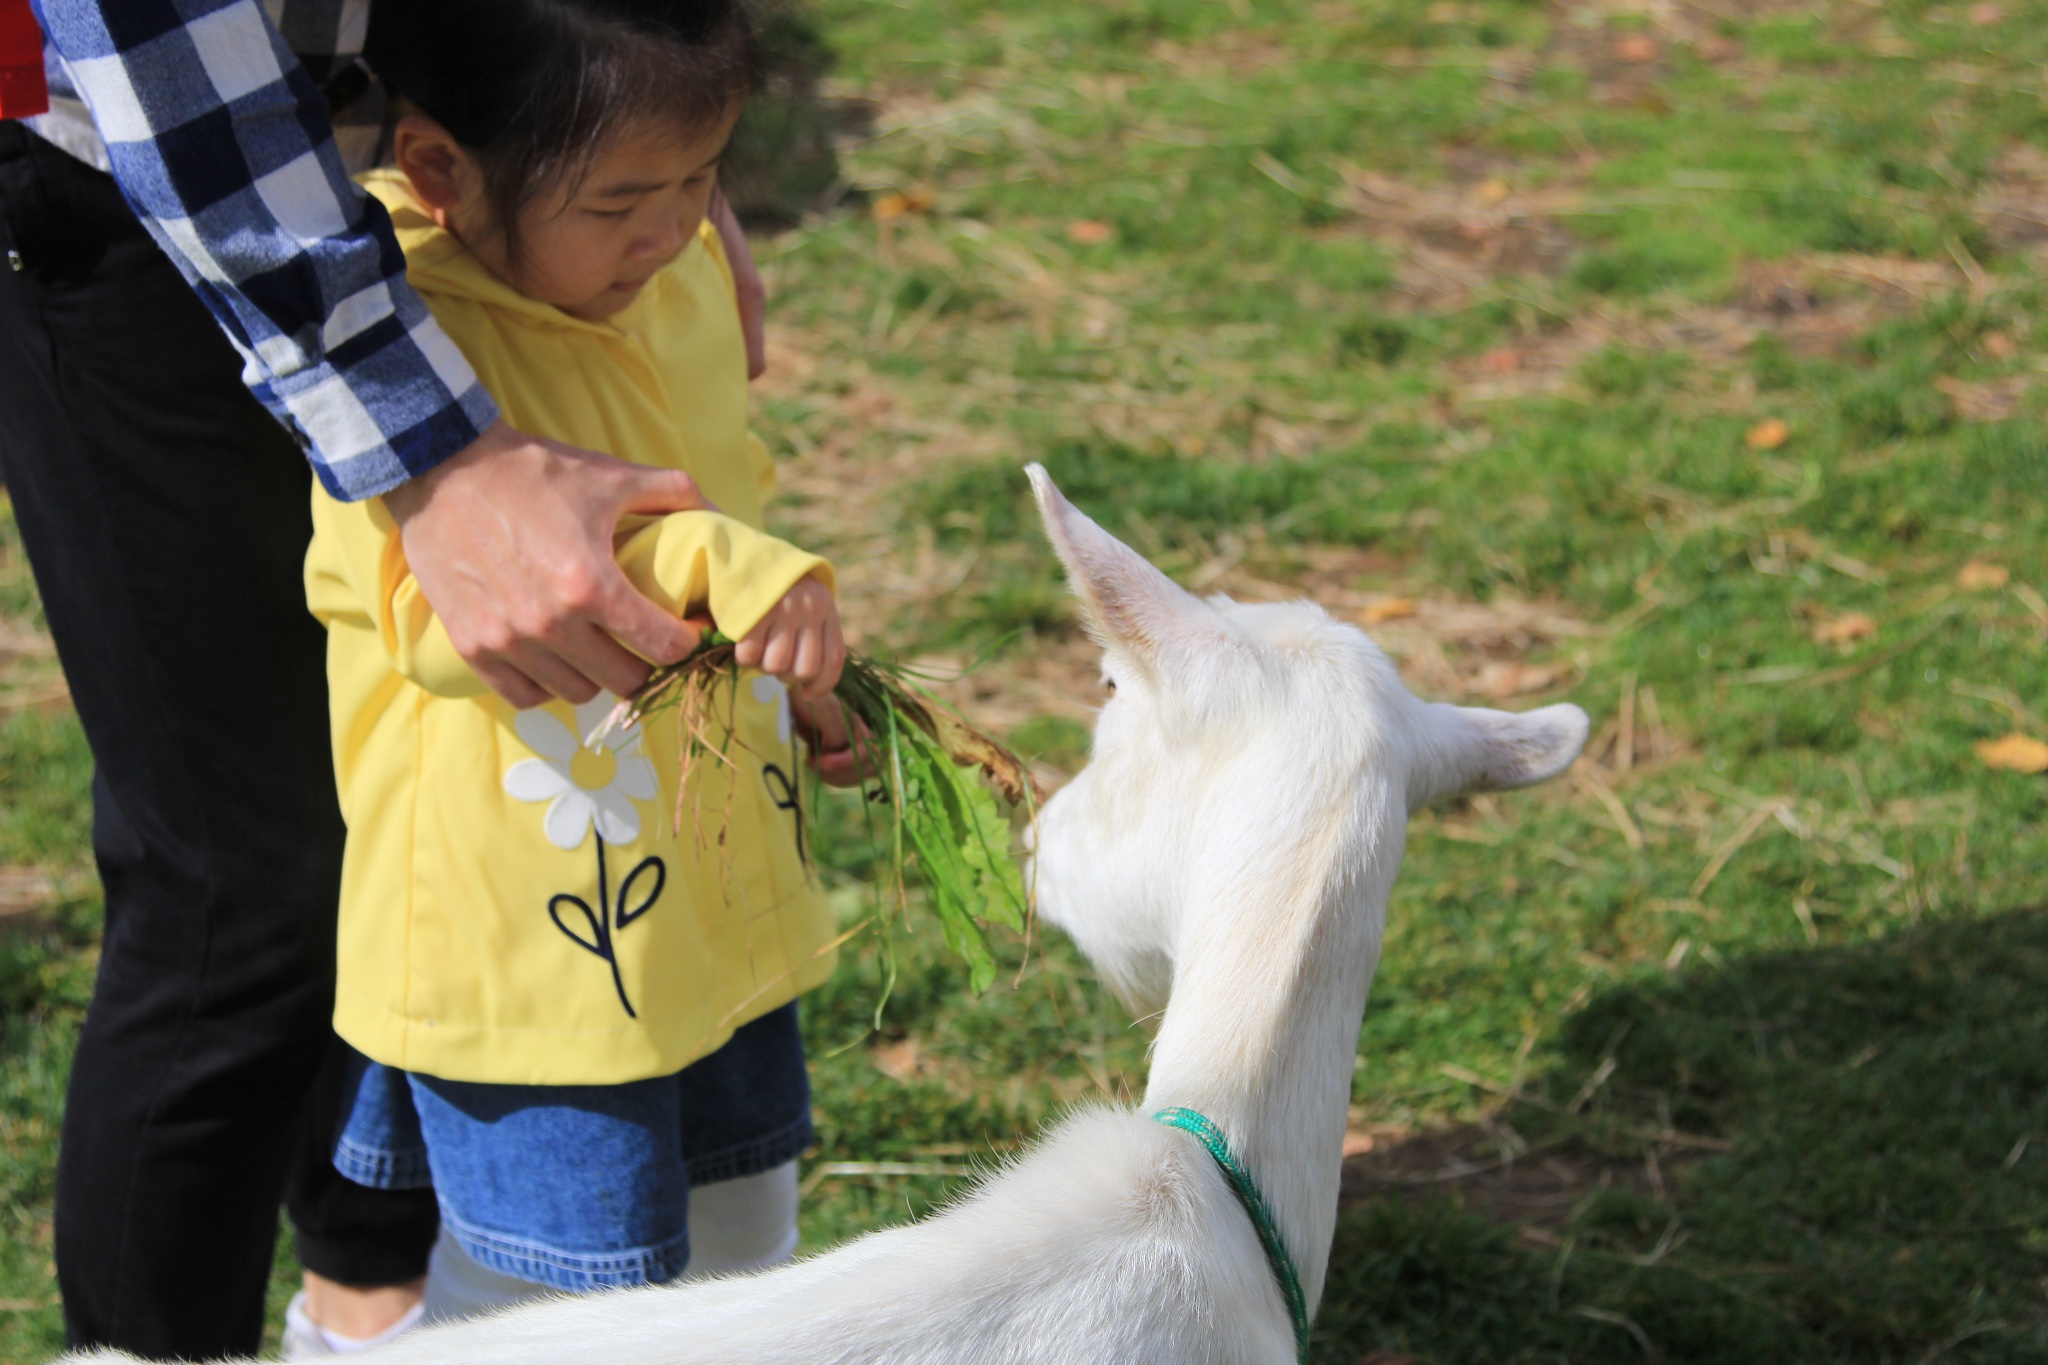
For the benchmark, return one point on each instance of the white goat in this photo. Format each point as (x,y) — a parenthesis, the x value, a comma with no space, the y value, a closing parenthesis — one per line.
(1227,854)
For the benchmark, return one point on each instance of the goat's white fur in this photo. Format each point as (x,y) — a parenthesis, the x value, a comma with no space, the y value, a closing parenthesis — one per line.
(1226,855)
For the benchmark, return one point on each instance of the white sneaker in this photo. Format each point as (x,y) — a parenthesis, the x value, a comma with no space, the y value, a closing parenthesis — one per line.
(305,1339)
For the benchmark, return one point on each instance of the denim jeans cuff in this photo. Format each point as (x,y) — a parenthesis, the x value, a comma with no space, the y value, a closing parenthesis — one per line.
(570,1271)
(763,1153)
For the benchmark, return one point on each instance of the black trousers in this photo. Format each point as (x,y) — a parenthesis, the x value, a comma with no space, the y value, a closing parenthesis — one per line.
(166,517)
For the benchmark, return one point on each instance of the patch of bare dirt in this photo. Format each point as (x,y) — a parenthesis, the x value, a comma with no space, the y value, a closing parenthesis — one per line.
(1490,1169)
(1491,219)
(2013,207)
(1990,400)
(1444,646)
(1231,52)
(1815,305)
(30,679)
(1624,50)
(25,892)
(1818,305)
(1450,239)
(1455,238)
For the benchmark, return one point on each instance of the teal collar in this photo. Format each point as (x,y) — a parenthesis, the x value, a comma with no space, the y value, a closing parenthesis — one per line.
(1247,1192)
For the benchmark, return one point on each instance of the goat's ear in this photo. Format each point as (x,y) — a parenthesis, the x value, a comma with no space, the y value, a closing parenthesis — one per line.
(1478,749)
(1126,604)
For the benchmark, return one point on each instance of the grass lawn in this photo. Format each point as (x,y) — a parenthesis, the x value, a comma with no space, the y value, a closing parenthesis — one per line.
(1679,360)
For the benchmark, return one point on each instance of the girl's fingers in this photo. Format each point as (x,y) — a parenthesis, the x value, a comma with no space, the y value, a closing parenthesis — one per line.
(775,652)
(820,670)
(835,653)
(809,656)
(800,641)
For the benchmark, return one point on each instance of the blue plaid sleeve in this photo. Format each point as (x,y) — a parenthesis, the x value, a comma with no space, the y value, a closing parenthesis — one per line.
(222,143)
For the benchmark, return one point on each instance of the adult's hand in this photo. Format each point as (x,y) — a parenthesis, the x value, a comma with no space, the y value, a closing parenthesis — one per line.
(746,283)
(511,541)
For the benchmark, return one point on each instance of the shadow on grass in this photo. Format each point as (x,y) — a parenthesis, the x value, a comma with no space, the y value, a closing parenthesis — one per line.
(1830,1155)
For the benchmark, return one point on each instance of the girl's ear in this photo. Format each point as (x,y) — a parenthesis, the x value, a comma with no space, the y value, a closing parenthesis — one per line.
(443,175)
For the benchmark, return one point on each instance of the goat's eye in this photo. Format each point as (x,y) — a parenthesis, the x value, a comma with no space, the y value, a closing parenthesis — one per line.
(1110,684)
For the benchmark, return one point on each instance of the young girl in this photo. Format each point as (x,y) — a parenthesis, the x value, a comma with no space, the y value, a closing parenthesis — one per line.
(577,1020)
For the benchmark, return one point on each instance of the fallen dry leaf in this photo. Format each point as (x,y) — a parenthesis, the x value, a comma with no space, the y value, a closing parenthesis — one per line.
(899,1061)
(1089,232)
(1986,14)
(899,205)
(1493,191)
(1841,630)
(1357,1143)
(1979,576)
(2015,753)
(1508,678)
(1386,609)
(1768,434)
(1999,346)
(1637,47)
(1501,360)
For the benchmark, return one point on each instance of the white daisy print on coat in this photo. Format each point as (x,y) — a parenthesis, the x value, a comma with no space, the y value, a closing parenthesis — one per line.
(588,788)
(600,798)
(774,692)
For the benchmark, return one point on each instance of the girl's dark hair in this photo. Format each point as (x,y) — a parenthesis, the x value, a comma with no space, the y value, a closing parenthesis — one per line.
(533,88)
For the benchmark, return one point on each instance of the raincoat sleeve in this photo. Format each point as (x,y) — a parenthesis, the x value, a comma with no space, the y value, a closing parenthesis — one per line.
(689,562)
(693,562)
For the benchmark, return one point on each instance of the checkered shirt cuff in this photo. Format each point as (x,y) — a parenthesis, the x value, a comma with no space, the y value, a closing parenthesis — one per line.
(222,143)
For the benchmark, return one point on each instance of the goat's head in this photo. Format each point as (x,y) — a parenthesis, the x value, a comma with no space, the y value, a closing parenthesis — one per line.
(1242,744)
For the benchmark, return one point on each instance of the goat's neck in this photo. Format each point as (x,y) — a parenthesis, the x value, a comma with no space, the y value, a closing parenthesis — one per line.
(1269,987)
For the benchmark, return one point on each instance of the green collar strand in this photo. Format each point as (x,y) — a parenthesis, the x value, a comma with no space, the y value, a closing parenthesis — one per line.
(1247,1192)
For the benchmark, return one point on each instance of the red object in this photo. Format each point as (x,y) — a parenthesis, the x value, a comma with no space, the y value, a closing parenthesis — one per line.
(23,91)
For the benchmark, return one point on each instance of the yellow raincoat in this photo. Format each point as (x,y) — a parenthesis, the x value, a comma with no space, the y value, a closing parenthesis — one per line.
(517,909)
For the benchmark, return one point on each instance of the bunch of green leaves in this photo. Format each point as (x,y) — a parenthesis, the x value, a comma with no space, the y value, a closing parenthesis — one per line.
(928,764)
(919,760)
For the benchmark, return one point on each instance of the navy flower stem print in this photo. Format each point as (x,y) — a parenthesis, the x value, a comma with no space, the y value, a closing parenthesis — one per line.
(611,917)
(783,792)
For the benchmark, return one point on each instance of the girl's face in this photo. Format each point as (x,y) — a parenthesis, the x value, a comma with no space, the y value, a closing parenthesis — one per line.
(590,249)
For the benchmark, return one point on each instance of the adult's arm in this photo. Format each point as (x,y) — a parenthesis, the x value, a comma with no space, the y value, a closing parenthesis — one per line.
(222,144)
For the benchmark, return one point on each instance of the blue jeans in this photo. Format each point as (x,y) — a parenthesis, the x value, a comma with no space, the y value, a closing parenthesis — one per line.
(581,1187)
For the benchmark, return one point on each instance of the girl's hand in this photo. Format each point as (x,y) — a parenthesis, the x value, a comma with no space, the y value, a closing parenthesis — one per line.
(841,755)
(798,641)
